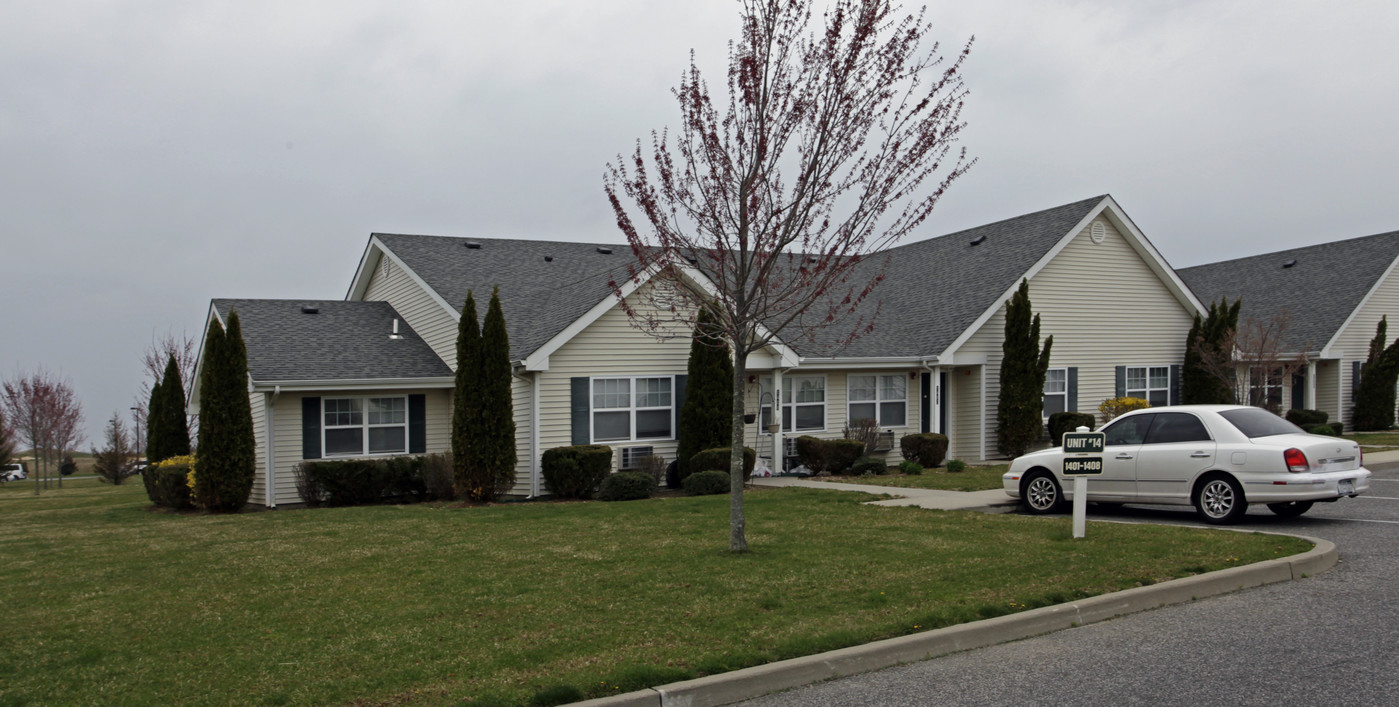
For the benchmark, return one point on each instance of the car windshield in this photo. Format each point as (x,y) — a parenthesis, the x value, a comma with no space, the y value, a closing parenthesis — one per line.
(1257,422)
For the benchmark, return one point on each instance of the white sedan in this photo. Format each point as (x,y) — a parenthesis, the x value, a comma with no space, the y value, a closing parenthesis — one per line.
(1218,458)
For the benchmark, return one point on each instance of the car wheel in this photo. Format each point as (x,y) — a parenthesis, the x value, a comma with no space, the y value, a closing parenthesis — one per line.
(1290,509)
(1220,500)
(1041,493)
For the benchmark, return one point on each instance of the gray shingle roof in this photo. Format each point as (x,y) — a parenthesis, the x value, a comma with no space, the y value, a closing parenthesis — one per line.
(343,341)
(1319,292)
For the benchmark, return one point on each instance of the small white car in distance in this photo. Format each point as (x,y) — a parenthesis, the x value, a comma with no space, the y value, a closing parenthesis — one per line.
(12,472)
(1218,458)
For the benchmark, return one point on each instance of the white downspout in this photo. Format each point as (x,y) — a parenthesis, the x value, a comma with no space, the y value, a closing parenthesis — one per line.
(534,435)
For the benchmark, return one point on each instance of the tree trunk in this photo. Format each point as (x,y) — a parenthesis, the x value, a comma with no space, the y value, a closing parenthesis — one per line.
(738,539)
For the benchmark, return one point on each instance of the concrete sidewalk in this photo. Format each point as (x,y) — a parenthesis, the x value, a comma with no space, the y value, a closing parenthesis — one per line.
(922,498)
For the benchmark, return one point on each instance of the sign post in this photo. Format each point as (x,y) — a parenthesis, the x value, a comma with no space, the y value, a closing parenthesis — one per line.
(1082,458)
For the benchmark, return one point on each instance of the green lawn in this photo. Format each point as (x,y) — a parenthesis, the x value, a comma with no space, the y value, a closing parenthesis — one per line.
(107,602)
(1378,439)
(973,478)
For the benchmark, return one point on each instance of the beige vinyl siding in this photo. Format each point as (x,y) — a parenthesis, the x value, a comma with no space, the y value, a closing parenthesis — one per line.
(286,421)
(837,409)
(964,417)
(1328,396)
(424,314)
(257,402)
(521,392)
(1353,341)
(1105,308)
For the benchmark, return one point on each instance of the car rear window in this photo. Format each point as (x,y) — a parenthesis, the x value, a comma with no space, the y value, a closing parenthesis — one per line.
(1256,422)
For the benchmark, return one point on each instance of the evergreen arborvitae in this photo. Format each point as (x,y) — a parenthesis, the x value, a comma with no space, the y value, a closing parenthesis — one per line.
(1208,338)
(213,415)
(494,464)
(1374,396)
(1023,365)
(226,459)
(706,419)
(154,418)
(243,463)
(175,425)
(464,398)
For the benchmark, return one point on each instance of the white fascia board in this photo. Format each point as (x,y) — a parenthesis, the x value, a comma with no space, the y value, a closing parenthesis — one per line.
(1326,351)
(788,357)
(1153,258)
(291,386)
(375,251)
(868,362)
(193,403)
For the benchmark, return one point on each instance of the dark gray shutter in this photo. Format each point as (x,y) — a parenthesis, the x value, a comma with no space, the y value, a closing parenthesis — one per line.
(579,405)
(310,428)
(1175,386)
(1354,379)
(1121,382)
(681,382)
(1299,390)
(417,424)
(1071,403)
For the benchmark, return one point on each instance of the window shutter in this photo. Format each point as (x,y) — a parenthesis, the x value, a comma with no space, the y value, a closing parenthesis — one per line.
(1071,403)
(1354,379)
(1175,386)
(417,424)
(580,406)
(310,428)
(681,382)
(1121,382)
(1299,390)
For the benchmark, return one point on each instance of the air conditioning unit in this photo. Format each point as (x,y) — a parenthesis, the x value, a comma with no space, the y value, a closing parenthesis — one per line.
(885,441)
(631,456)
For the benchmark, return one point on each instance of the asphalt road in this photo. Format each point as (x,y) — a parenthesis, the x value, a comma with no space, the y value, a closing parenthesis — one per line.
(1331,639)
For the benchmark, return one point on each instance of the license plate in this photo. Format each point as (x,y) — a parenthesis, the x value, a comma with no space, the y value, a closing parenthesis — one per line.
(1345,486)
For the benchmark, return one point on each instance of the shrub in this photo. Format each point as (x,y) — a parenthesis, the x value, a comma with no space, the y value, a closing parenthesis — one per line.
(577,471)
(169,482)
(868,465)
(349,482)
(307,489)
(402,478)
(910,467)
(956,466)
(1112,407)
(653,466)
(707,483)
(1338,427)
(439,478)
(1321,430)
(1061,422)
(842,453)
(812,453)
(68,466)
(928,449)
(865,431)
(626,486)
(1303,418)
(717,459)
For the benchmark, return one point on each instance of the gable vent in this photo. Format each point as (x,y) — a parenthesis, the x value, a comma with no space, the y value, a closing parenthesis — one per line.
(1289,263)
(812,259)
(310,309)
(978,240)
(472,245)
(604,251)
(631,456)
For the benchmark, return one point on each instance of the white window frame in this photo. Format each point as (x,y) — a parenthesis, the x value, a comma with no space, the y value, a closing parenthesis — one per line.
(632,409)
(789,402)
(364,426)
(1267,377)
(1045,394)
(879,400)
(1127,388)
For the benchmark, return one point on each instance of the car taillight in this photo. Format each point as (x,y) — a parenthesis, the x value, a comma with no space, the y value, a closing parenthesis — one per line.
(1295,459)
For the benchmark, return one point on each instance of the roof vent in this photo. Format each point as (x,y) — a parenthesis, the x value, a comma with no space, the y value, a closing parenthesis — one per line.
(1289,263)
(691,259)
(395,334)
(978,240)
(811,259)
(604,251)
(548,258)
(310,309)
(473,245)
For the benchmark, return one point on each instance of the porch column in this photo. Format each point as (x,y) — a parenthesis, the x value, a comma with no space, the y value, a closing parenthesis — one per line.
(1309,393)
(779,459)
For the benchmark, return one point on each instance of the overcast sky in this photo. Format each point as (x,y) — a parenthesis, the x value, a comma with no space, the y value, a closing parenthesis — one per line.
(154,155)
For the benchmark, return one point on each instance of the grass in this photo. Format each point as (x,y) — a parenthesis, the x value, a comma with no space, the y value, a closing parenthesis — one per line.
(111,603)
(1374,439)
(973,478)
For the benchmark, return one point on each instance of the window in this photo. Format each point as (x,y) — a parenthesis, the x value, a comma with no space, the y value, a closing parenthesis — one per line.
(626,409)
(358,426)
(1127,430)
(1150,383)
(1056,391)
(1265,387)
(1176,427)
(803,398)
(882,398)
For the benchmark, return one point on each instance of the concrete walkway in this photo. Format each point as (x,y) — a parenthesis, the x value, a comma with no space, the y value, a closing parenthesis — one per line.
(922,498)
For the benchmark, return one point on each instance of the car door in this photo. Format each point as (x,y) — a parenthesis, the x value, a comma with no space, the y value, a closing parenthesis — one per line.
(1177,448)
(1122,441)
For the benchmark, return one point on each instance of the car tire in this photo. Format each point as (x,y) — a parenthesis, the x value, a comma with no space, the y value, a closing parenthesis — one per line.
(1219,500)
(1041,493)
(1290,509)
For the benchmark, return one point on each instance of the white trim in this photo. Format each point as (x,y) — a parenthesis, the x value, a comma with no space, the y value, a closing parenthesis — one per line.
(632,409)
(270,464)
(1044,395)
(855,364)
(365,426)
(360,284)
(879,401)
(982,380)
(1127,372)
(1326,351)
(535,454)
(193,403)
(1309,395)
(357,384)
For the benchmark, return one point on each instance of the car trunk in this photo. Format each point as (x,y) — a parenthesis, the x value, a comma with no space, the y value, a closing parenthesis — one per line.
(1323,453)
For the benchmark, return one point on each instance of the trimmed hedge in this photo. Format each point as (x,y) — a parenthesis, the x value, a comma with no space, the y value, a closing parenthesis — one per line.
(167,483)
(910,467)
(1061,422)
(928,449)
(842,453)
(707,483)
(358,482)
(577,471)
(1303,418)
(626,486)
(869,465)
(811,451)
(717,459)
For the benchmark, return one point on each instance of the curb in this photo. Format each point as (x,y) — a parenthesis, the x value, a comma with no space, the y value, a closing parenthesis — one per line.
(737,685)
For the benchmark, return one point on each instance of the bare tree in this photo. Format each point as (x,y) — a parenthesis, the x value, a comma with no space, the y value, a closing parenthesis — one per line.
(1255,359)
(116,461)
(822,156)
(184,349)
(7,440)
(65,420)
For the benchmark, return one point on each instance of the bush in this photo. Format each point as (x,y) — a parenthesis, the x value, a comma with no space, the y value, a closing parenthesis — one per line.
(910,467)
(402,478)
(577,471)
(439,478)
(868,465)
(626,486)
(717,459)
(357,482)
(956,466)
(707,483)
(1338,427)
(653,466)
(307,489)
(1061,422)
(1303,418)
(865,431)
(842,453)
(1112,407)
(812,453)
(928,449)
(1321,430)
(169,483)
(68,466)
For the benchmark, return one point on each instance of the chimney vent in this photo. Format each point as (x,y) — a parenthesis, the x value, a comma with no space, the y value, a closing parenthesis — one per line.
(395,334)
(1289,263)
(473,245)
(310,309)
(604,251)
(978,240)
